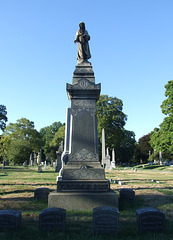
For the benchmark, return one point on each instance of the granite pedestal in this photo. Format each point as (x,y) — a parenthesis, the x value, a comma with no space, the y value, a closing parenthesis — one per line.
(82,184)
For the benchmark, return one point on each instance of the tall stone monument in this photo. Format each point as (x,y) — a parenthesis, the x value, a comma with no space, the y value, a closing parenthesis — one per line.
(82,184)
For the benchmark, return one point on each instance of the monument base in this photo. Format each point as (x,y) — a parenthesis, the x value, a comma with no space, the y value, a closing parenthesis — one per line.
(82,200)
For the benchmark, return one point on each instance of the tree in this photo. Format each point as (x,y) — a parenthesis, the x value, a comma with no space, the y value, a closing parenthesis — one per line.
(59,136)
(3,117)
(142,149)
(111,117)
(162,138)
(21,139)
(127,147)
(47,134)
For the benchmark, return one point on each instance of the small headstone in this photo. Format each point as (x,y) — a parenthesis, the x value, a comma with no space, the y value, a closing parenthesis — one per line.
(116,181)
(105,220)
(121,183)
(51,164)
(150,220)
(45,165)
(39,168)
(127,194)
(25,164)
(52,219)
(10,219)
(41,193)
(7,162)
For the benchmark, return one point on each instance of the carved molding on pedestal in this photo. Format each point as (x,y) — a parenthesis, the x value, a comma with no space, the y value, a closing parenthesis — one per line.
(84,155)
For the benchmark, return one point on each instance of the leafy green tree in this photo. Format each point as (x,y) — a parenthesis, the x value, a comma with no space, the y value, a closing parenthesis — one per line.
(3,117)
(47,134)
(59,136)
(127,147)
(142,149)
(21,138)
(111,117)
(162,138)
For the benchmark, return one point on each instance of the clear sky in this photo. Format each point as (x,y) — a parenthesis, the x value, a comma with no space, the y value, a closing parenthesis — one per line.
(132,56)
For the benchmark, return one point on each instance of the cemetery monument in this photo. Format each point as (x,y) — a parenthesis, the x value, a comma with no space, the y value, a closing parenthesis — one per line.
(82,183)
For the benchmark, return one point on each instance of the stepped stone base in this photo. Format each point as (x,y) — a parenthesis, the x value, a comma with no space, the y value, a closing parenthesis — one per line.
(82,200)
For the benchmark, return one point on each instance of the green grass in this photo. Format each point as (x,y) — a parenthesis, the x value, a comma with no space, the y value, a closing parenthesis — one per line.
(17,185)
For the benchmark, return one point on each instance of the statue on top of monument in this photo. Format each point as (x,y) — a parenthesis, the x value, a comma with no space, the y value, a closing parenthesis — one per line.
(82,37)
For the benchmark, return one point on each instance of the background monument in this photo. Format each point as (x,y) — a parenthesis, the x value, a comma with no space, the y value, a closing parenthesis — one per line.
(82,184)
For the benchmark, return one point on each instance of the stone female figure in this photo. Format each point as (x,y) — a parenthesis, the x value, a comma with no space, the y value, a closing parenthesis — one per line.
(82,37)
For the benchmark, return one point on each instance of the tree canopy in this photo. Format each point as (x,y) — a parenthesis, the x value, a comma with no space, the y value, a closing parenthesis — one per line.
(143,148)
(111,117)
(20,139)
(3,117)
(48,134)
(162,137)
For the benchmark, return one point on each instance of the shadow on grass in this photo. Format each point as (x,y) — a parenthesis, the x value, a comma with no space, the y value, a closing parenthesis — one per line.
(28,184)
(17,191)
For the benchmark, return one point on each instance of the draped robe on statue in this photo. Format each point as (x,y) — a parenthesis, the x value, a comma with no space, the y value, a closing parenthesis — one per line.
(82,38)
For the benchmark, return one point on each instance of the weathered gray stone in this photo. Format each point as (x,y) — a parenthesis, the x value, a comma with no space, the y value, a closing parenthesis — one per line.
(52,219)
(39,168)
(127,194)
(82,179)
(10,219)
(74,200)
(41,193)
(105,220)
(150,220)
(103,149)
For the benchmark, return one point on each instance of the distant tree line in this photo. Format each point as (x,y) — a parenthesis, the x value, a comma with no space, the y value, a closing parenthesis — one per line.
(20,139)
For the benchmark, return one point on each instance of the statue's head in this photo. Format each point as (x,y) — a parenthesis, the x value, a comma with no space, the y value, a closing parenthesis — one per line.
(82,25)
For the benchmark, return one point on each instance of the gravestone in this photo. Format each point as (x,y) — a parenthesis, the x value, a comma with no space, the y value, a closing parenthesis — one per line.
(105,220)
(7,162)
(82,184)
(39,168)
(41,193)
(59,153)
(10,219)
(108,160)
(103,149)
(25,163)
(113,159)
(45,165)
(127,194)
(64,156)
(150,220)
(52,219)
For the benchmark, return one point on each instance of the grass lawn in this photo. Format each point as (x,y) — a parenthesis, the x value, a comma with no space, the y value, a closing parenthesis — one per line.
(153,186)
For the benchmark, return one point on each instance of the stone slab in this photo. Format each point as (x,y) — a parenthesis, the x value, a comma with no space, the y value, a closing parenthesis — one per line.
(10,219)
(41,193)
(150,220)
(105,220)
(127,194)
(82,200)
(52,219)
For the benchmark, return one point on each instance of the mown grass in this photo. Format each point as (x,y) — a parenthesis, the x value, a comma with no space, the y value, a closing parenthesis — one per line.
(17,185)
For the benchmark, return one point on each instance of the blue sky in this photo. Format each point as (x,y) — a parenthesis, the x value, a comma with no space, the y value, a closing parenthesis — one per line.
(132,56)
